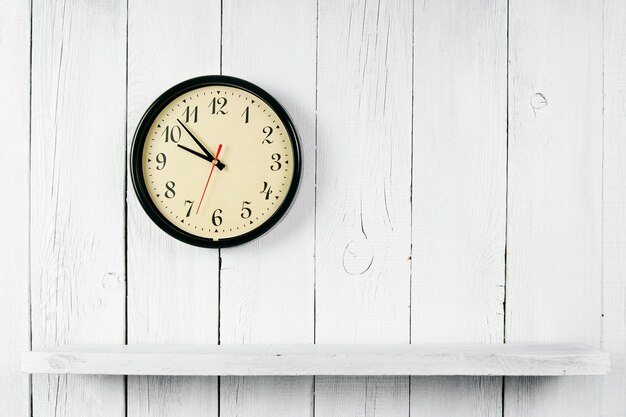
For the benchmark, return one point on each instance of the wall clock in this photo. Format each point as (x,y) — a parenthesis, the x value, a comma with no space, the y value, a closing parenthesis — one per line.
(215,161)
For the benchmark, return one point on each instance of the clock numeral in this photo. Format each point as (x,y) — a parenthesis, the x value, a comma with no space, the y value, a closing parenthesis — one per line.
(268,131)
(188,114)
(267,190)
(245,211)
(169,192)
(276,165)
(217,105)
(246,114)
(216,218)
(174,134)
(161,159)
(190,202)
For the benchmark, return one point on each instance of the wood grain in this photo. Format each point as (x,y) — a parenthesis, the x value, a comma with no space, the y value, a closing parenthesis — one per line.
(555,194)
(172,287)
(363,212)
(298,360)
(267,285)
(613,399)
(459,193)
(15,204)
(77,195)
(363,111)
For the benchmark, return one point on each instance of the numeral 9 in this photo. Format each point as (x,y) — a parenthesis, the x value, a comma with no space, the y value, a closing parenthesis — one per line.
(161,159)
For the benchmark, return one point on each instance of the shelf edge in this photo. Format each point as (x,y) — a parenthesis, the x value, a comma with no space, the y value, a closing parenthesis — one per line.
(305,360)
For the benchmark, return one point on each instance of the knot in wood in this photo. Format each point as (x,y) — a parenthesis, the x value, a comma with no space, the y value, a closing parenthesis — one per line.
(111,281)
(358,256)
(538,101)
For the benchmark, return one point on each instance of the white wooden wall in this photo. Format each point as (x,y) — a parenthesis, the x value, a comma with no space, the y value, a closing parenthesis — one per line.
(464,181)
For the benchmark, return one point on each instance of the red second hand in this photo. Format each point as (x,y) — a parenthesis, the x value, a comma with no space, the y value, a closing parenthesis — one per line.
(215,161)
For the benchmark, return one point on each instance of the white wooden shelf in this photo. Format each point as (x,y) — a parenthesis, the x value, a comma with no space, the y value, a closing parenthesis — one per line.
(502,359)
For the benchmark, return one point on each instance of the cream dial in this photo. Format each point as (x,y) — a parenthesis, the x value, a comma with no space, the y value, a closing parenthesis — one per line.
(249,179)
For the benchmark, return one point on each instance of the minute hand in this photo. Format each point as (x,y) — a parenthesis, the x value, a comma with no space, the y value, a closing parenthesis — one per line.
(219,165)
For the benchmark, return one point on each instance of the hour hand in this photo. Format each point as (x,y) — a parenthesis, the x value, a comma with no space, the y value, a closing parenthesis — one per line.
(219,164)
(208,154)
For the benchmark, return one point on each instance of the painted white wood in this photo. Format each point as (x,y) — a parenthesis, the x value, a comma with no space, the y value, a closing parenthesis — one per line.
(451,359)
(459,193)
(363,212)
(553,281)
(77,195)
(456,396)
(555,194)
(14,203)
(267,286)
(613,394)
(172,287)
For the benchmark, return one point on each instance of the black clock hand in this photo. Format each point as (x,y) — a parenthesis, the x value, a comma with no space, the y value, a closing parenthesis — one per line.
(209,156)
(201,155)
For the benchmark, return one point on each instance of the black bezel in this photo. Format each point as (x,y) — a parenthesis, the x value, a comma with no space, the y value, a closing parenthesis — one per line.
(137,150)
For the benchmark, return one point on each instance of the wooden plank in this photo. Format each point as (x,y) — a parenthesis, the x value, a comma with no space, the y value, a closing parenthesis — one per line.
(363,214)
(451,359)
(459,193)
(173,287)
(555,194)
(15,172)
(77,195)
(267,285)
(613,399)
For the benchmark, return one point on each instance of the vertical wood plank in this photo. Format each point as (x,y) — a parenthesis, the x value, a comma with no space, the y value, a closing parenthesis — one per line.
(459,193)
(363,215)
(77,195)
(555,194)
(613,399)
(14,200)
(172,287)
(267,286)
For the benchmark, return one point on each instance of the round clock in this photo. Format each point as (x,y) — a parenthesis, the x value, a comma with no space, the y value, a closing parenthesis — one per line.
(215,161)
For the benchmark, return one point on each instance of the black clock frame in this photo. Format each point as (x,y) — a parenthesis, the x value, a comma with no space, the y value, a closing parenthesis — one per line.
(139,140)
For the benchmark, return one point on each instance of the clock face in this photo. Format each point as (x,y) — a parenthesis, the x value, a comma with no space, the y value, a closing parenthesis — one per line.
(215,161)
